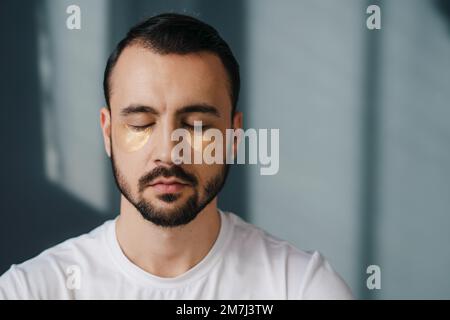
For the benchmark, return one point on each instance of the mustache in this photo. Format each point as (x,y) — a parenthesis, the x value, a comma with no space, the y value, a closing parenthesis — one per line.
(174,171)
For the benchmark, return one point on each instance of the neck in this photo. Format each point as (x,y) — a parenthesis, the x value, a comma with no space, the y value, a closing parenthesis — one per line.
(166,252)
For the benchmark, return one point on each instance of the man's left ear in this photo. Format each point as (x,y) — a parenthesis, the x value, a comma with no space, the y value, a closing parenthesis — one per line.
(237,124)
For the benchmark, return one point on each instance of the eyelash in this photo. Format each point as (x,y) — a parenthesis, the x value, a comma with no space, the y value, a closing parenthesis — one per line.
(184,125)
(140,128)
(191,127)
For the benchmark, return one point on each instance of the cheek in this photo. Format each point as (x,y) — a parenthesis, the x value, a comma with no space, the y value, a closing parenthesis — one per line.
(129,140)
(206,172)
(127,160)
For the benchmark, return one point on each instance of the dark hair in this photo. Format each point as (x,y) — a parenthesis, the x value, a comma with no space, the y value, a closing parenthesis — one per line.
(180,34)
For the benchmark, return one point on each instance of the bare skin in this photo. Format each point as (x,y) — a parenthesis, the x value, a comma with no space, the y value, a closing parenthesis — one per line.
(167,83)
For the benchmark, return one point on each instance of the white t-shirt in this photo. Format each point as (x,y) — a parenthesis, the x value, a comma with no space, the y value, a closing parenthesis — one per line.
(245,262)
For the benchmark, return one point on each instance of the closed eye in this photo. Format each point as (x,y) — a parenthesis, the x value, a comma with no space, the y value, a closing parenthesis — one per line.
(191,127)
(140,128)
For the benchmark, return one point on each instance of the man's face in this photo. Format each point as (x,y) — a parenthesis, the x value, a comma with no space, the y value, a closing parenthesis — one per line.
(151,96)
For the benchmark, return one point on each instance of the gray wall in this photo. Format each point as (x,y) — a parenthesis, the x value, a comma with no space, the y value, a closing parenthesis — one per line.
(414,190)
(305,78)
(363,118)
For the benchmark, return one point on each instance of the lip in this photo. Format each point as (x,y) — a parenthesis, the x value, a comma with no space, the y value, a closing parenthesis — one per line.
(164,185)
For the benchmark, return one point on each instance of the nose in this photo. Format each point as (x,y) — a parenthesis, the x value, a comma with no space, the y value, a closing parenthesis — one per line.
(163,144)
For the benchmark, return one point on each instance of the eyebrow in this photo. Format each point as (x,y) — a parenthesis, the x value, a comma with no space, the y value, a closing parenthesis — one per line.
(133,109)
(202,108)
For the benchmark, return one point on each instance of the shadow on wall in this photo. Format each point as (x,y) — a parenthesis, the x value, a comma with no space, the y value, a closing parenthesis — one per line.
(35,214)
(443,7)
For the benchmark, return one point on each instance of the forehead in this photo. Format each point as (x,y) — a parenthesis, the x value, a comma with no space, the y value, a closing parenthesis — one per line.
(168,81)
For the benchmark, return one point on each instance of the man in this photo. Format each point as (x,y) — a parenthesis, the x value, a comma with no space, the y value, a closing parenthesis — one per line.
(170,241)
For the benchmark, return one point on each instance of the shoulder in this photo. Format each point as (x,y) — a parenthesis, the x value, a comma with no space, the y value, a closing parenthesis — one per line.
(305,274)
(44,275)
(322,282)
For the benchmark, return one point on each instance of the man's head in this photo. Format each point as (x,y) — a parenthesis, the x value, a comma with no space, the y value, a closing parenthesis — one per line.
(168,72)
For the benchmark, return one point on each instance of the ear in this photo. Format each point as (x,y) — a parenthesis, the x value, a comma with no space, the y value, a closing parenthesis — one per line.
(105,123)
(237,124)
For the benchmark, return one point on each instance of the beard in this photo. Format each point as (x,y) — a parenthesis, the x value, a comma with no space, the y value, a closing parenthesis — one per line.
(178,214)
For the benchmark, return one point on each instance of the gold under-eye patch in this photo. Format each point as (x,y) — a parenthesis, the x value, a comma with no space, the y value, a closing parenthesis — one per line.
(207,146)
(131,139)
(198,140)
